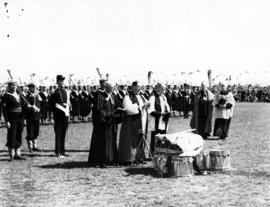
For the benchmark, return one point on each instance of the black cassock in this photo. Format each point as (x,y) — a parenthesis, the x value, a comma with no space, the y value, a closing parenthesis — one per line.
(103,148)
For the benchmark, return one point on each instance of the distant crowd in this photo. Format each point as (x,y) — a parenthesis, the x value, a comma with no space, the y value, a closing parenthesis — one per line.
(251,93)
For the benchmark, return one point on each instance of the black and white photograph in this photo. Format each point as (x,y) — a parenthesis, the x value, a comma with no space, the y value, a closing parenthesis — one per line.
(133,103)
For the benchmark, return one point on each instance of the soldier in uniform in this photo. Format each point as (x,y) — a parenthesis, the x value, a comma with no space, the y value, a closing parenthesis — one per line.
(74,99)
(44,104)
(33,116)
(59,104)
(85,104)
(13,115)
(168,95)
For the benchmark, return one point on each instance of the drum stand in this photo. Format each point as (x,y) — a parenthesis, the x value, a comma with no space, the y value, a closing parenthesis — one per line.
(143,143)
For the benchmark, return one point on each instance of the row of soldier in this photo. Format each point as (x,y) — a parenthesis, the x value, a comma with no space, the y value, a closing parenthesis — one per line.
(133,108)
(180,99)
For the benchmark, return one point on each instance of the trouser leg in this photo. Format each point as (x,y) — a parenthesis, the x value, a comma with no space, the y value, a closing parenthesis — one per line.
(11,153)
(152,145)
(57,130)
(29,136)
(63,136)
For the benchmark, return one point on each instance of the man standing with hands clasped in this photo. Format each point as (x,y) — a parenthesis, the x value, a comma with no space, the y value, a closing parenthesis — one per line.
(33,117)
(60,105)
(160,113)
(134,126)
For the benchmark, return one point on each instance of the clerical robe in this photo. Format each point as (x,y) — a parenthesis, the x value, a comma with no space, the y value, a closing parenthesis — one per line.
(103,148)
(133,126)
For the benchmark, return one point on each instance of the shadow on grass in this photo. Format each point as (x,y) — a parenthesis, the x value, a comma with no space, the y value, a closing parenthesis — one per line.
(69,150)
(4,160)
(253,174)
(67,165)
(147,171)
(38,155)
(213,138)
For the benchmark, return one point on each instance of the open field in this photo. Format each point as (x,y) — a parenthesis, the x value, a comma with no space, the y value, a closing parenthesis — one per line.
(44,180)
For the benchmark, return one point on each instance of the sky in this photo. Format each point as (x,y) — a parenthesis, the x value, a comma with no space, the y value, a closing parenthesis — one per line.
(128,38)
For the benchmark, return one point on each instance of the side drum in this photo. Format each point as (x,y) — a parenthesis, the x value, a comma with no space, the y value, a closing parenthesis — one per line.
(220,160)
(203,161)
(162,163)
(181,166)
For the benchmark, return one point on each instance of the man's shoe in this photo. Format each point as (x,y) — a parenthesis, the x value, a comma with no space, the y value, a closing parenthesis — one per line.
(19,157)
(35,149)
(102,166)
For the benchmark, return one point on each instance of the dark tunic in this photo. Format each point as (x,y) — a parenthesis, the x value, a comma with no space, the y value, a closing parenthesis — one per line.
(103,148)
(74,100)
(13,113)
(175,100)
(84,103)
(33,117)
(44,106)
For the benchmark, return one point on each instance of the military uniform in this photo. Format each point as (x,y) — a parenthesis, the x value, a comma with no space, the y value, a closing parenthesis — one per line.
(59,104)
(33,116)
(13,114)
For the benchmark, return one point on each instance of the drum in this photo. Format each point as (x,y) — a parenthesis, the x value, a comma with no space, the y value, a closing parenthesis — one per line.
(162,163)
(202,161)
(181,166)
(220,160)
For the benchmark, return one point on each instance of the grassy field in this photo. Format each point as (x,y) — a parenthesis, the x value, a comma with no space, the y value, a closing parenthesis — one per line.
(44,180)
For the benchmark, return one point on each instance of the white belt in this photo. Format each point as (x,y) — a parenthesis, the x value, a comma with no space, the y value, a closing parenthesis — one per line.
(62,108)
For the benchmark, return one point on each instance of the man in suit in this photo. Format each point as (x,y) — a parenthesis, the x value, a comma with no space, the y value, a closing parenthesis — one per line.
(60,105)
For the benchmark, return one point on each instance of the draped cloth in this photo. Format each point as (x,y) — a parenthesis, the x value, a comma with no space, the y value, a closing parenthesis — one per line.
(190,143)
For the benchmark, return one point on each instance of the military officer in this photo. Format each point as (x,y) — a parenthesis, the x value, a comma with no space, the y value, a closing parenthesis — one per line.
(60,105)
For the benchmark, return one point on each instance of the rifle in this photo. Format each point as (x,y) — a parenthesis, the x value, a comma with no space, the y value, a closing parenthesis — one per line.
(98,71)
(19,90)
(209,72)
